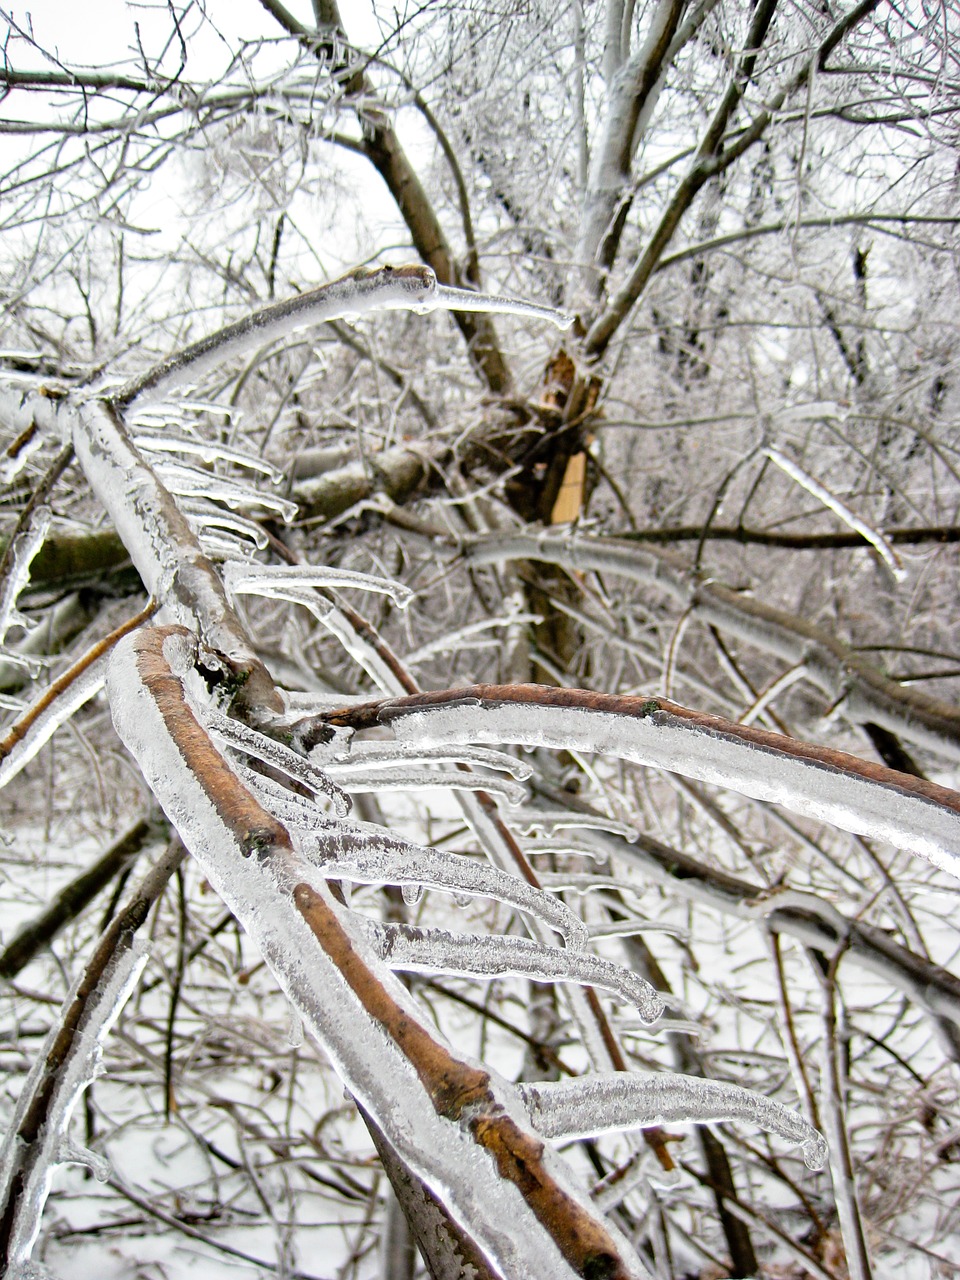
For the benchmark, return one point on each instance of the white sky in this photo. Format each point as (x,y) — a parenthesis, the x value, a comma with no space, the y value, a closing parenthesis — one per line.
(99,32)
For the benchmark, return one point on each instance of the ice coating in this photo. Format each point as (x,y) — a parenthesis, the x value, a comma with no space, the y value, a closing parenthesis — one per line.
(264,894)
(258,579)
(853,802)
(40,722)
(565,819)
(33,1163)
(427,780)
(839,508)
(295,766)
(414,950)
(208,451)
(466,300)
(26,544)
(342,758)
(188,482)
(593,1105)
(409,287)
(372,856)
(204,516)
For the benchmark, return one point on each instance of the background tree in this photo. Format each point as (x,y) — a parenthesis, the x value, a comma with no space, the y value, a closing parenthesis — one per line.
(731,482)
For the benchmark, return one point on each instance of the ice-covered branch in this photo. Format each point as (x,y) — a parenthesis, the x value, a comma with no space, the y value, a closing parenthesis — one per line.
(833,503)
(64,696)
(374,860)
(853,794)
(36,1141)
(295,766)
(457,1126)
(164,548)
(593,1105)
(21,551)
(410,287)
(843,674)
(415,950)
(266,580)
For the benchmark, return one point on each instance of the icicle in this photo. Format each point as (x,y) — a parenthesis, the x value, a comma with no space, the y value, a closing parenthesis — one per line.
(26,544)
(74,1153)
(561,848)
(258,745)
(342,756)
(833,503)
(298,813)
(366,854)
(593,1105)
(209,452)
(559,819)
(202,516)
(262,579)
(585,881)
(34,1164)
(436,951)
(223,547)
(627,928)
(412,893)
(425,780)
(187,482)
(450,299)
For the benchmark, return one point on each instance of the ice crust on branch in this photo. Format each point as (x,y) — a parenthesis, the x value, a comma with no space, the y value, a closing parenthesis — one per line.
(427,780)
(273,581)
(187,482)
(342,758)
(26,544)
(414,950)
(700,748)
(34,1164)
(410,287)
(593,1105)
(367,855)
(34,729)
(374,1033)
(207,451)
(203,516)
(833,503)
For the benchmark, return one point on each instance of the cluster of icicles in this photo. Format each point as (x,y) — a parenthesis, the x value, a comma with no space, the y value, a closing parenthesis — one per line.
(363,853)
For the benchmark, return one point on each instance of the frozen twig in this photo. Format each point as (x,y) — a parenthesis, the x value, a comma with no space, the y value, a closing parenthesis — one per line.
(831,665)
(410,287)
(835,787)
(593,1105)
(444,1116)
(64,696)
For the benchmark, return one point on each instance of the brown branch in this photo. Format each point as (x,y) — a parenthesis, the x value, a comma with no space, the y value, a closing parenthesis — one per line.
(456,1090)
(21,727)
(943,533)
